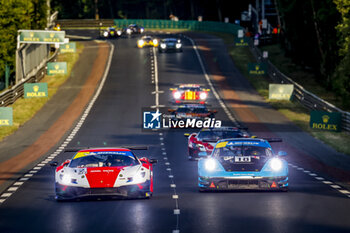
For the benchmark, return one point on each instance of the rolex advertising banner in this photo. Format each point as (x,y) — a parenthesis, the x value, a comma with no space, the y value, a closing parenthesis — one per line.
(280,91)
(56,68)
(257,68)
(241,42)
(41,36)
(330,121)
(32,90)
(68,48)
(6,116)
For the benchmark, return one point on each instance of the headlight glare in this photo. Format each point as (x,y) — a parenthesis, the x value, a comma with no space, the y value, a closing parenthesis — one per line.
(210,164)
(203,96)
(141,42)
(177,95)
(178,46)
(66,179)
(163,46)
(276,164)
(105,34)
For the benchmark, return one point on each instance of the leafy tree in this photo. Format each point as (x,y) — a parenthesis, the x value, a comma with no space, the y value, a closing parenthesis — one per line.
(15,15)
(342,74)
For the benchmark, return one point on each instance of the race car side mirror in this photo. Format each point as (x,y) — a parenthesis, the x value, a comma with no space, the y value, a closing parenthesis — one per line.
(54,164)
(153,161)
(282,153)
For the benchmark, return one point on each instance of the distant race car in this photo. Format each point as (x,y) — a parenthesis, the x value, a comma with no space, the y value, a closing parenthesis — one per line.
(199,111)
(134,29)
(206,138)
(243,163)
(104,172)
(190,93)
(147,41)
(109,32)
(170,44)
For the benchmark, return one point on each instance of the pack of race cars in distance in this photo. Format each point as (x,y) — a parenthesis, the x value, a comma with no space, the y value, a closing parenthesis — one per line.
(116,172)
(114,32)
(189,93)
(243,163)
(202,143)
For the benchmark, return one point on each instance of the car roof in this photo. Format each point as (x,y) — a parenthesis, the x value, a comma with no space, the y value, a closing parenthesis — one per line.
(188,85)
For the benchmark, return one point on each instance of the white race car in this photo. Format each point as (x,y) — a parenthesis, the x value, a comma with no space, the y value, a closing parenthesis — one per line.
(104,172)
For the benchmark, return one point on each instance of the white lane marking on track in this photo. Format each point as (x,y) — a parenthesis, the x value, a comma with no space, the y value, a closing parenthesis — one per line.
(222,104)
(80,122)
(6,194)
(335,186)
(319,178)
(343,191)
(2,200)
(327,182)
(12,189)
(18,183)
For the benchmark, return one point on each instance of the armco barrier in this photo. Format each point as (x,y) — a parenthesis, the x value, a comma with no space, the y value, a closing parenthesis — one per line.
(305,97)
(11,95)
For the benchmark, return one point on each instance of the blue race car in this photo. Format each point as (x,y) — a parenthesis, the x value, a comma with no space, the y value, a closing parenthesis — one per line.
(243,163)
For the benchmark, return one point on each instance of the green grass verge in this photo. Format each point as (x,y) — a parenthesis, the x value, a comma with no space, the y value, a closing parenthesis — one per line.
(25,109)
(293,110)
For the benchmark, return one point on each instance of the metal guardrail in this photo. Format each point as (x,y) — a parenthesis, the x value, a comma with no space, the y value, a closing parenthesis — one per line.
(9,96)
(305,97)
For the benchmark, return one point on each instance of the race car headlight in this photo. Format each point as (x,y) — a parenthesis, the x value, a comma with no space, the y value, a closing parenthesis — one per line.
(141,42)
(139,177)
(163,46)
(119,32)
(203,96)
(210,164)
(66,179)
(142,29)
(177,95)
(105,34)
(276,164)
(128,31)
(178,46)
(155,41)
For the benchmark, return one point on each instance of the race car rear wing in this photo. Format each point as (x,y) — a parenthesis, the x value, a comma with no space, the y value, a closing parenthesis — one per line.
(76,149)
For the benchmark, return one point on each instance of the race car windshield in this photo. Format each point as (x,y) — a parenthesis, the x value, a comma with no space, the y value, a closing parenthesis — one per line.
(232,151)
(217,135)
(104,159)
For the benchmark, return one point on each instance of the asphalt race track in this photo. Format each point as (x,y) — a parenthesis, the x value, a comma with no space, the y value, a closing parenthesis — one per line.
(176,206)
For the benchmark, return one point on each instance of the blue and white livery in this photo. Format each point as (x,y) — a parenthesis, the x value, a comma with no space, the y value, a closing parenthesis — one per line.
(243,163)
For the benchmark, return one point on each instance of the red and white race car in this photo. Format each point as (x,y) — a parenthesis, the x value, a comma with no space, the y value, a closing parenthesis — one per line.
(201,144)
(190,93)
(104,172)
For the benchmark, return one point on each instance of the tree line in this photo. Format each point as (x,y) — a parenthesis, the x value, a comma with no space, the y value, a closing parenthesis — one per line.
(316,34)
(15,15)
